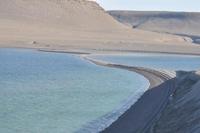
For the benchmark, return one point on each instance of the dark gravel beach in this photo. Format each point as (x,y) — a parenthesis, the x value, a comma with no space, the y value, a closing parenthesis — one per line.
(140,117)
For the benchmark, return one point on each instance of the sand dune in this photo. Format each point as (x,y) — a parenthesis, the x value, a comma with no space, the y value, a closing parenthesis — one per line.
(74,24)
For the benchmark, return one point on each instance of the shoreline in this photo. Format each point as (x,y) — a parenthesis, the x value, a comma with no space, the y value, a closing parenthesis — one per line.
(155,78)
(115,52)
(102,52)
(135,119)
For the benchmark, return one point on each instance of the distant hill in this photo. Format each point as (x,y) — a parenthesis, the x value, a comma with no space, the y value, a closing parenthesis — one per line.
(180,23)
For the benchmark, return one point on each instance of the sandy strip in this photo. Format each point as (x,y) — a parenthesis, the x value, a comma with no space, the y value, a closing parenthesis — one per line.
(111,52)
(141,116)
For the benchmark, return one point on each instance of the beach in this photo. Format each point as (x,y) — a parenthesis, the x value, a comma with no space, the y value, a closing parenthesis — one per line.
(172,100)
(138,118)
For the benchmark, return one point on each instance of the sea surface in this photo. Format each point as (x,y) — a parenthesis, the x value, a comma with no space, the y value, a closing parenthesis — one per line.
(155,61)
(42,92)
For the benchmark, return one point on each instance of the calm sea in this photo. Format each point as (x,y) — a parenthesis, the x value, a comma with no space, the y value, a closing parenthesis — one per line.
(43,92)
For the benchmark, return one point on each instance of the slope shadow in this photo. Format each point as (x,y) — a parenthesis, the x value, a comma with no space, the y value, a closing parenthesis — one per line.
(140,117)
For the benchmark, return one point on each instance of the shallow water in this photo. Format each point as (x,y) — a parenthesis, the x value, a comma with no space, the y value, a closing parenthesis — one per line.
(156,61)
(44,92)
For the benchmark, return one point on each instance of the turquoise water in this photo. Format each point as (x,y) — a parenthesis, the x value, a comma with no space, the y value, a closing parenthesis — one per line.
(157,61)
(44,92)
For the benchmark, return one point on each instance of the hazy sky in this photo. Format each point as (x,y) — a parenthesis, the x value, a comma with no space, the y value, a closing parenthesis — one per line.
(164,5)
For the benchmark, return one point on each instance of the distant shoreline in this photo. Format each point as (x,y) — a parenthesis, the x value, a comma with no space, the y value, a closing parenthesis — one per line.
(180,50)
(115,52)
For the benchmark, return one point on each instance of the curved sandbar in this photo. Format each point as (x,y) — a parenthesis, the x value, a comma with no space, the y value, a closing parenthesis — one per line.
(141,116)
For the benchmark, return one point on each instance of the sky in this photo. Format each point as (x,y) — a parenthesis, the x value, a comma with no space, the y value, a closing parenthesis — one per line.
(152,5)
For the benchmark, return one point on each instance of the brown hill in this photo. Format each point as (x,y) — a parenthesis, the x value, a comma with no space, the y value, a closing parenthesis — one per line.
(180,23)
(72,24)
